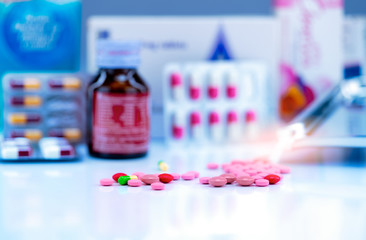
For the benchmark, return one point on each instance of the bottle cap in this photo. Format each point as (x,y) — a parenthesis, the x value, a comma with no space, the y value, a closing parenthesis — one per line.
(118,54)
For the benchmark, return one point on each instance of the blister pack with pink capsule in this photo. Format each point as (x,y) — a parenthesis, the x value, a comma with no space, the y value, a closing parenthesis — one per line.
(222,102)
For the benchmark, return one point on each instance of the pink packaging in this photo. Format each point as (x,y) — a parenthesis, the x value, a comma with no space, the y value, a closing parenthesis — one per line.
(311,51)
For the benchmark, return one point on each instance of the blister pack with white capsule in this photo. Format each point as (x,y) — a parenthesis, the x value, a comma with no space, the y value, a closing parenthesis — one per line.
(40,105)
(222,102)
(47,149)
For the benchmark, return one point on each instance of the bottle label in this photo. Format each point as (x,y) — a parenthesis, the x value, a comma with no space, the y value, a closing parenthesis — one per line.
(120,123)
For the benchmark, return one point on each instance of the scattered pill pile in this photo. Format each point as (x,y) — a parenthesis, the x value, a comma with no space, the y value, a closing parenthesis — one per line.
(260,173)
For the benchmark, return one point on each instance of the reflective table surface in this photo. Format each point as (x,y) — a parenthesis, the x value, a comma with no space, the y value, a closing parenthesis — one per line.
(65,201)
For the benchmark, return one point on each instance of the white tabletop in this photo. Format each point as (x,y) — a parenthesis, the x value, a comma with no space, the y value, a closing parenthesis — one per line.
(65,201)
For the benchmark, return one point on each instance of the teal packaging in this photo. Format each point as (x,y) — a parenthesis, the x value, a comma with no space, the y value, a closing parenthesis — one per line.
(40,35)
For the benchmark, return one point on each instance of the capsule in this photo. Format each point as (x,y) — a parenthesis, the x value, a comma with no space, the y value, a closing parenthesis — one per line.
(31,134)
(233,130)
(178,126)
(251,124)
(195,86)
(23,118)
(232,85)
(27,101)
(26,84)
(70,83)
(71,134)
(176,86)
(196,126)
(214,85)
(16,152)
(215,126)
(55,148)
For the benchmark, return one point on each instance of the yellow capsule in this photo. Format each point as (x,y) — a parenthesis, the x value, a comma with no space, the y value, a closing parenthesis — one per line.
(31,83)
(33,135)
(134,177)
(32,101)
(17,118)
(72,134)
(71,83)
(163,166)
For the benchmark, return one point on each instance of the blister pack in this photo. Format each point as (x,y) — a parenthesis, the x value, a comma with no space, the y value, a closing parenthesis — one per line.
(214,102)
(47,149)
(40,105)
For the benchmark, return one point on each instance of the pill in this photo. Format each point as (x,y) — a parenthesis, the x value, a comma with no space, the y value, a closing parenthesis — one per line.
(23,118)
(178,125)
(177,87)
(57,151)
(70,83)
(71,134)
(232,85)
(195,173)
(26,84)
(165,178)
(284,169)
(123,179)
(233,127)
(204,180)
(245,180)
(215,128)
(163,166)
(106,182)
(217,181)
(176,176)
(230,178)
(212,166)
(134,183)
(138,174)
(250,116)
(149,179)
(195,124)
(117,175)
(27,101)
(157,186)
(256,177)
(213,85)
(261,182)
(15,152)
(133,177)
(31,134)
(194,86)
(188,176)
(272,178)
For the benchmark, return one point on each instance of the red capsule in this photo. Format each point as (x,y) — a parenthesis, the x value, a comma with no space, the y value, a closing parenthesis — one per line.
(272,178)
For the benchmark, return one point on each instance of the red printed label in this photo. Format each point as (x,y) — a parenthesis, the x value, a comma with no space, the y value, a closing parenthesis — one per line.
(120,123)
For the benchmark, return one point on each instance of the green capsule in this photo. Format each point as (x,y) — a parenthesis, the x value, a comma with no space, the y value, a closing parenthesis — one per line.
(123,180)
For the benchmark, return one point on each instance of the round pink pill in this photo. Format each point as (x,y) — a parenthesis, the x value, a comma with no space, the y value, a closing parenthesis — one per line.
(284,169)
(188,176)
(204,180)
(195,173)
(106,182)
(176,176)
(217,181)
(261,182)
(157,186)
(149,179)
(134,183)
(230,178)
(212,166)
(245,180)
